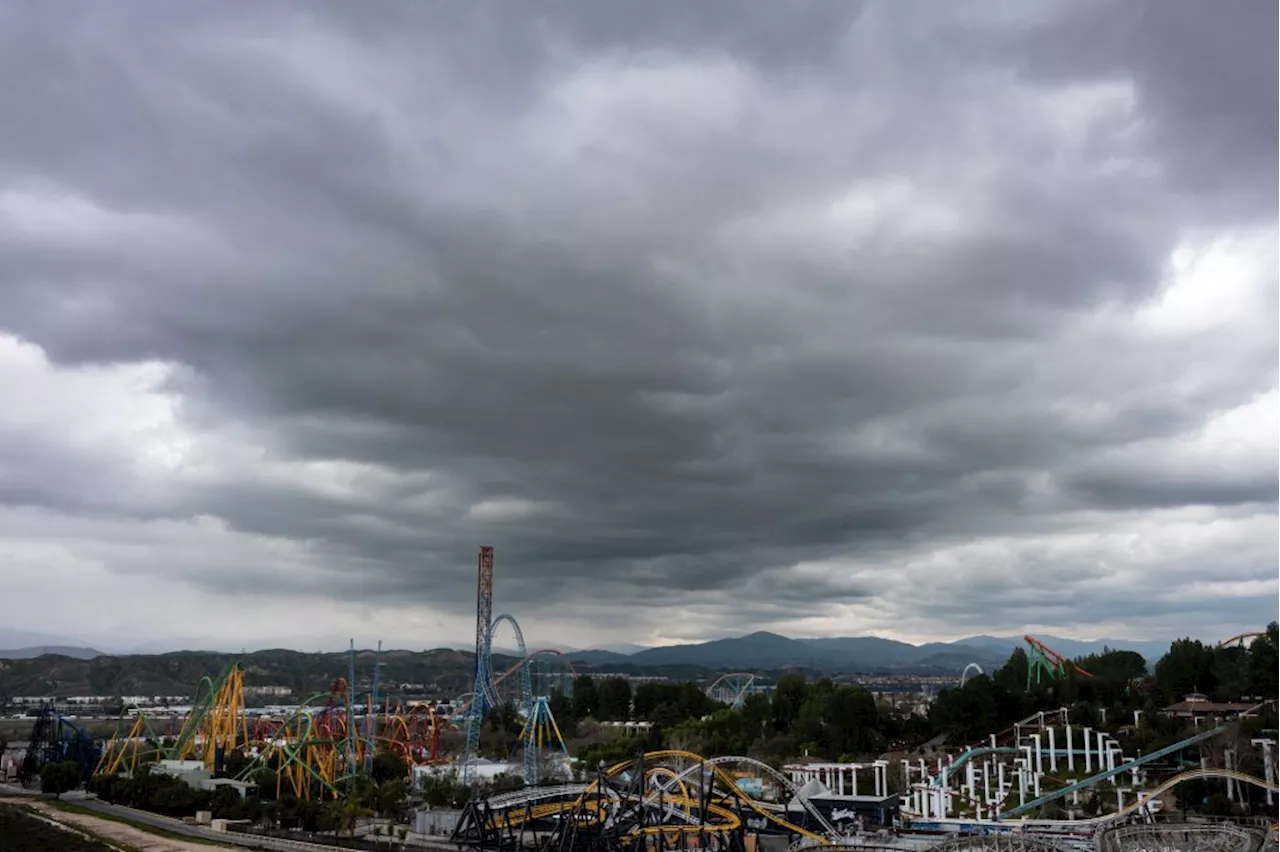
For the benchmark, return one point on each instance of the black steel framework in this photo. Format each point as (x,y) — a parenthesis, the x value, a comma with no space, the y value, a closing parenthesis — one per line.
(54,740)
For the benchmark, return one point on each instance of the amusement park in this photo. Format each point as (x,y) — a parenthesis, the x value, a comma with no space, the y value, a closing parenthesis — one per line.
(1046,753)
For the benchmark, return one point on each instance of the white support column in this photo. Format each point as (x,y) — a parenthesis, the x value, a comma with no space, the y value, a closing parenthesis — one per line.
(1268,766)
(986,781)
(840,782)
(1229,761)
(1022,782)
(1071,754)
(1000,787)
(1039,755)
(854,780)
(1053,751)
(1119,799)
(1102,749)
(1088,766)
(1035,785)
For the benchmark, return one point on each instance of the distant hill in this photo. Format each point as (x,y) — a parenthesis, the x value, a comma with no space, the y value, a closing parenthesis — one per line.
(762,651)
(443,671)
(73,651)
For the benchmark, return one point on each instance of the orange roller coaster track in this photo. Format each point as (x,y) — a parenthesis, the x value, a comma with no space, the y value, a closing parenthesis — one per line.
(1239,639)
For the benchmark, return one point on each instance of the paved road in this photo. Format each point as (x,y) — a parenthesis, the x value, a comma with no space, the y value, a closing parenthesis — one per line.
(165,823)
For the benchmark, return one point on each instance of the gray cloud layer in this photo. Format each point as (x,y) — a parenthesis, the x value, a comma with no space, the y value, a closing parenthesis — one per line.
(856,317)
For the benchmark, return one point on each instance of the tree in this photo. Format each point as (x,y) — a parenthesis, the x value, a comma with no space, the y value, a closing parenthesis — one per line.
(1264,662)
(562,710)
(586,700)
(1187,668)
(788,696)
(966,712)
(388,766)
(347,814)
(234,764)
(389,799)
(226,801)
(59,778)
(757,711)
(615,699)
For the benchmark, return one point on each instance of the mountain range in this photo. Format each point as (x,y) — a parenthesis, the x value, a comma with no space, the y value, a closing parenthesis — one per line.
(759,651)
(763,650)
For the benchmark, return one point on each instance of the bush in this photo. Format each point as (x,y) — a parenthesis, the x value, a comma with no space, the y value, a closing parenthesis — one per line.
(59,778)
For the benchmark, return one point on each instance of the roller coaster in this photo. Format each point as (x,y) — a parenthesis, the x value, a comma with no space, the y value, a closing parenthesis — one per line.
(678,800)
(313,750)
(318,747)
(659,800)
(1043,660)
(56,739)
(540,731)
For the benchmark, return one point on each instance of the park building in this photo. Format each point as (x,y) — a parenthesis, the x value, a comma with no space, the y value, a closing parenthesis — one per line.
(1199,708)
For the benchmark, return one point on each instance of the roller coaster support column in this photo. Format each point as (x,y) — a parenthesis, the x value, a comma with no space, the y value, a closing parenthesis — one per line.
(371,717)
(1053,751)
(1071,755)
(1268,765)
(351,719)
(1088,765)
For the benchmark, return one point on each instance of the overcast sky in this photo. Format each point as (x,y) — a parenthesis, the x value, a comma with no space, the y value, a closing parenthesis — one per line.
(914,319)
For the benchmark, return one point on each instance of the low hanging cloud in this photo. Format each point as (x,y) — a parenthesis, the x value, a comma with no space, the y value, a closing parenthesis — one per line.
(842,319)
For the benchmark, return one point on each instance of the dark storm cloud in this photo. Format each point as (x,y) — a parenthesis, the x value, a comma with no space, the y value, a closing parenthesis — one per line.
(660,303)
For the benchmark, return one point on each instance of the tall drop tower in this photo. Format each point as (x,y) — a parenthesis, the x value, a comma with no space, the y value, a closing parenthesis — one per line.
(479,693)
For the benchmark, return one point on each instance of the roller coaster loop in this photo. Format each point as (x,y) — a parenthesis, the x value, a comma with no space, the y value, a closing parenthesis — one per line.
(964,675)
(465,701)
(491,687)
